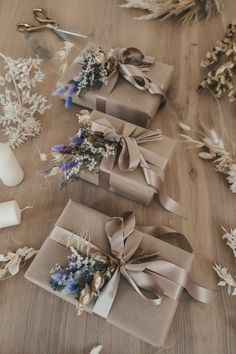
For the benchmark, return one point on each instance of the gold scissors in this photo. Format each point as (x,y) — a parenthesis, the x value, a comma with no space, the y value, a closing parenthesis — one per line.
(46,22)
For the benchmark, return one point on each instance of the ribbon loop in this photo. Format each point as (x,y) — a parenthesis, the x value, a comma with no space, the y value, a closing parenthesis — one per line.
(131,156)
(151,279)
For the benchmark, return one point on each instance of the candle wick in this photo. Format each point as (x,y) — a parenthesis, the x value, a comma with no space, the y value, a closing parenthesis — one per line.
(27,207)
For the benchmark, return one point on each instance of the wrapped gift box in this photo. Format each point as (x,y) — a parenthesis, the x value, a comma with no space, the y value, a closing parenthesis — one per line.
(125,101)
(132,184)
(130,312)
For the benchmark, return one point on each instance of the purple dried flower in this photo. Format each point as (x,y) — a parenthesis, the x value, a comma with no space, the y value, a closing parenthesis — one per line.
(60,90)
(71,287)
(63,149)
(68,101)
(67,166)
(59,276)
(72,90)
(77,139)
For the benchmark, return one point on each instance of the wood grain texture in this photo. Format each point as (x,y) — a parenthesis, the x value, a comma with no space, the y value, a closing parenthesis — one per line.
(33,321)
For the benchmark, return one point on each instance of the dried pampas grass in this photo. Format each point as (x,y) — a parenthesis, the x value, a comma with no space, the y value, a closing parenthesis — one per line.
(185,11)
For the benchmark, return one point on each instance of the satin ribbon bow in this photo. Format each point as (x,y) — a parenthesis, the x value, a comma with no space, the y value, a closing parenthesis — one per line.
(131,155)
(144,273)
(132,65)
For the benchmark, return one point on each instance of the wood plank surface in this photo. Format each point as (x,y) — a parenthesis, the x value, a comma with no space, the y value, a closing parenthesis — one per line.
(32,320)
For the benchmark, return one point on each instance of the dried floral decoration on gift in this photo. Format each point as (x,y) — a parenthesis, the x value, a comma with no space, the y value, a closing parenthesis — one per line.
(184,11)
(100,68)
(96,68)
(215,152)
(220,80)
(85,151)
(19,104)
(84,275)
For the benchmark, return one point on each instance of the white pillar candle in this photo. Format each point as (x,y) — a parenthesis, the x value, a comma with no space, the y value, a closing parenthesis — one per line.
(11,173)
(10,214)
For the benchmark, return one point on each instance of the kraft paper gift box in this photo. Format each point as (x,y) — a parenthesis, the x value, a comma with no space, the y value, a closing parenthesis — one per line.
(132,184)
(125,101)
(129,312)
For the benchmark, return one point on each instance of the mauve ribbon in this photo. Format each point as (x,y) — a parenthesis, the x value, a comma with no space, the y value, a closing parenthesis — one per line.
(132,65)
(155,277)
(133,155)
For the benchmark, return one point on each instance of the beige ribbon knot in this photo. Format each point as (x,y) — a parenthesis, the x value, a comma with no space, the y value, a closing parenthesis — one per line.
(151,279)
(130,155)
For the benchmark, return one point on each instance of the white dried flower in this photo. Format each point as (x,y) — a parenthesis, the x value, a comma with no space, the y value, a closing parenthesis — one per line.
(18,104)
(216,152)
(96,350)
(231,239)
(227,279)
(232,178)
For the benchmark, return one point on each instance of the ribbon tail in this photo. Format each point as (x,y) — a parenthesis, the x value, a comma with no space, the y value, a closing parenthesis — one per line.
(105,300)
(168,235)
(154,180)
(144,281)
(179,275)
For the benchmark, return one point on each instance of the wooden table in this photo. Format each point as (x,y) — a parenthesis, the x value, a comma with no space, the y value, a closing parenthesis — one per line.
(32,320)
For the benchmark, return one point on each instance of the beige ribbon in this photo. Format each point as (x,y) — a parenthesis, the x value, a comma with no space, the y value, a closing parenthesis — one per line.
(131,155)
(151,278)
(155,277)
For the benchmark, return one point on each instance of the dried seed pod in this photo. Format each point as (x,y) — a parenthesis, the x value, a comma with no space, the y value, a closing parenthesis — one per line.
(206,155)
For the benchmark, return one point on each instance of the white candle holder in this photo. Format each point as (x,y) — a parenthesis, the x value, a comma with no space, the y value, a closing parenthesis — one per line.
(11,172)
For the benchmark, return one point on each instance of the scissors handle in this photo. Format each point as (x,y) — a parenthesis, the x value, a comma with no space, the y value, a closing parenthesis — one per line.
(41,16)
(25,27)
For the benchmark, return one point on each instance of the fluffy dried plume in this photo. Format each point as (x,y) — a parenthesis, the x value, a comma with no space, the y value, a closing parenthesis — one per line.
(185,11)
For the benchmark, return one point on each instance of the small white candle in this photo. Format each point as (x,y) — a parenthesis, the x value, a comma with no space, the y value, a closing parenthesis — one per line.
(10,214)
(11,173)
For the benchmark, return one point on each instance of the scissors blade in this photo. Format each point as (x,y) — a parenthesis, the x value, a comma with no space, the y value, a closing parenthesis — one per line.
(61,35)
(71,32)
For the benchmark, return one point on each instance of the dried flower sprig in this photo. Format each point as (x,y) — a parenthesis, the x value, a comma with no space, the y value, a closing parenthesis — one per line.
(215,152)
(93,75)
(12,261)
(96,350)
(230,237)
(84,275)
(62,55)
(220,80)
(184,11)
(227,279)
(84,152)
(19,105)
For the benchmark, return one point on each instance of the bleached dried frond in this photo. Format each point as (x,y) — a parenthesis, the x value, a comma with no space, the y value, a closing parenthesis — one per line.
(230,238)
(63,53)
(185,11)
(227,279)
(17,103)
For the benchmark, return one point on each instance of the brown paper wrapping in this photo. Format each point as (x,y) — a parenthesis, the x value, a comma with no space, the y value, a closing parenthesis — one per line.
(133,185)
(130,312)
(125,101)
